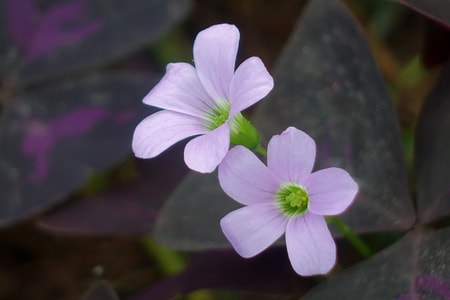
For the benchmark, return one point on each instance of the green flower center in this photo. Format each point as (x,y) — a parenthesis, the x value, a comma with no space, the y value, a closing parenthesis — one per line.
(292,199)
(218,115)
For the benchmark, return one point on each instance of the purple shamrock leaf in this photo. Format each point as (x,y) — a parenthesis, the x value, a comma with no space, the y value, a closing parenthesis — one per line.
(285,196)
(41,137)
(428,284)
(39,34)
(205,100)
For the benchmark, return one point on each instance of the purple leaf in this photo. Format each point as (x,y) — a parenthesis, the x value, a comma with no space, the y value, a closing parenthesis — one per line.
(44,41)
(39,33)
(413,268)
(433,153)
(190,218)
(40,136)
(51,141)
(330,87)
(22,18)
(131,208)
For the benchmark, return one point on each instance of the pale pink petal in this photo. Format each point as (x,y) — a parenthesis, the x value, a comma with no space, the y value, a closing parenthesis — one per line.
(253,228)
(215,50)
(310,247)
(246,179)
(291,155)
(204,153)
(161,130)
(330,191)
(180,90)
(250,83)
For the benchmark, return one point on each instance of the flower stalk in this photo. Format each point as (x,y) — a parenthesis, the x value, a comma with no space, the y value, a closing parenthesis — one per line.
(351,236)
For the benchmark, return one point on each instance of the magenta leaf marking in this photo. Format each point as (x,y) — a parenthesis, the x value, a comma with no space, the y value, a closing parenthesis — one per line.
(428,284)
(124,117)
(434,284)
(38,34)
(41,137)
(22,18)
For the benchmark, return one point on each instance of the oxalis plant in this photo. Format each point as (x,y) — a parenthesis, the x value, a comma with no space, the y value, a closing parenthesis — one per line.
(283,196)
(307,196)
(326,84)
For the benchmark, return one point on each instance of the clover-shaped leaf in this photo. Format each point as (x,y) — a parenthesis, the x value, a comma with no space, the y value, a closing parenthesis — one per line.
(432,152)
(330,87)
(130,208)
(41,41)
(415,267)
(52,140)
(193,224)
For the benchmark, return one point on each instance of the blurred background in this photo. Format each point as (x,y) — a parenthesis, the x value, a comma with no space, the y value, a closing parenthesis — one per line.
(43,255)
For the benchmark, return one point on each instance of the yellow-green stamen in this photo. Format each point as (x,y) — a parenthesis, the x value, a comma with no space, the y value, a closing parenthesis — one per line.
(218,115)
(292,199)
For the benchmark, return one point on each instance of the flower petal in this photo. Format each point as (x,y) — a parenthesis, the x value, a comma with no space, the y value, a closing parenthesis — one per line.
(161,130)
(291,155)
(246,179)
(251,229)
(215,50)
(330,191)
(180,90)
(204,153)
(250,83)
(310,247)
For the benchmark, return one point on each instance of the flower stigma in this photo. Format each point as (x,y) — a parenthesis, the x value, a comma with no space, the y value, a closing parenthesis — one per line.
(292,200)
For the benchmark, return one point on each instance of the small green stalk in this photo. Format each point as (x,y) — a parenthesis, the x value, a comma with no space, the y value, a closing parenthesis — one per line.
(168,261)
(261,150)
(352,237)
(243,133)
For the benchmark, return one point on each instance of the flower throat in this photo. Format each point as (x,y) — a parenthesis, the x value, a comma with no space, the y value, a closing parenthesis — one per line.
(292,200)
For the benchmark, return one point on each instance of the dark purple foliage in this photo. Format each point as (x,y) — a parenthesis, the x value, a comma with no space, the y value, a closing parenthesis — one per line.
(433,155)
(39,33)
(40,136)
(415,267)
(327,83)
(129,208)
(53,137)
(44,40)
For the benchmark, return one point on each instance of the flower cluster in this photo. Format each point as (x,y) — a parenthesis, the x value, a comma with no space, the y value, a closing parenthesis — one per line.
(283,197)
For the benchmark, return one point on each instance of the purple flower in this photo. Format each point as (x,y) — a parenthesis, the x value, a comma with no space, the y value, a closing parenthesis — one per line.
(285,197)
(205,100)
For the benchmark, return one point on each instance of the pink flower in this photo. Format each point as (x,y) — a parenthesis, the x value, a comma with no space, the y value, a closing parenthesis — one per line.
(285,197)
(205,100)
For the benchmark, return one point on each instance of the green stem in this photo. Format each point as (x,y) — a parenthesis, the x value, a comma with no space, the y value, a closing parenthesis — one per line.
(260,149)
(354,239)
(169,261)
